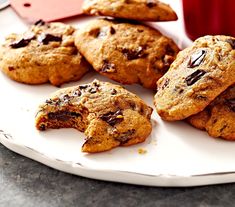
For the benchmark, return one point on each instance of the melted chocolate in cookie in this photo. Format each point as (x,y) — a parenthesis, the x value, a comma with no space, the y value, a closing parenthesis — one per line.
(124,137)
(63,115)
(113,118)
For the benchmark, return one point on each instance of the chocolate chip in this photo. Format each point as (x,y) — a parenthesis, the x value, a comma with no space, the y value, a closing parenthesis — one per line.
(108,67)
(132,105)
(194,77)
(92,90)
(46,38)
(40,22)
(165,83)
(196,59)
(231,42)
(77,93)
(82,87)
(66,98)
(113,92)
(124,137)
(151,3)
(131,54)
(178,89)
(223,128)
(112,30)
(231,104)
(63,115)
(21,43)
(120,20)
(96,84)
(200,97)
(10,68)
(42,127)
(53,102)
(113,118)
(140,30)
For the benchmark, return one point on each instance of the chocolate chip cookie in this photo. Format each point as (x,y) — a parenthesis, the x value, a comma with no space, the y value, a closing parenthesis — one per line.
(198,75)
(124,52)
(218,118)
(144,10)
(109,115)
(44,53)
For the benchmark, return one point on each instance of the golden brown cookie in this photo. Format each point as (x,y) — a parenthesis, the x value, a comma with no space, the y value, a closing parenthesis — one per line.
(144,10)
(197,76)
(44,53)
(127,53)
(218,118)
(109,115)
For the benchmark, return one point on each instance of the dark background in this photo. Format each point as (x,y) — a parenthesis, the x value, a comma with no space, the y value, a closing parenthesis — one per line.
(26,183)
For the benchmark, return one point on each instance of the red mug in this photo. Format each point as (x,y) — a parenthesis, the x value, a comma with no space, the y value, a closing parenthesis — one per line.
(209,17)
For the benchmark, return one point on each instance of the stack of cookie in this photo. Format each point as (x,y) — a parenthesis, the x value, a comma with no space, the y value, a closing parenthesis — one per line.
(199,87)
(120,48)
(123,49)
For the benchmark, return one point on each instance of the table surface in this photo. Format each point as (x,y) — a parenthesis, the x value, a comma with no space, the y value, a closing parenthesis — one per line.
(24,182)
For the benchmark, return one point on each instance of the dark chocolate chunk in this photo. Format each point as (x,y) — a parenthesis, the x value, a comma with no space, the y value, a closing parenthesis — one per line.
(231,42)
(46,38)
(112,30)
(108,67)
(151,3)
(92,90)
(40,22)
(124,137)
(113,92)
(132,105)
(10,68)
(120,20)
(77,93)
(196,59)
(53,102)
(63,115)
(200,97)
(165,83)
(82,87)
(194,77)
(223,128)
(42,127)
(231,104)
(134,54)
(22,43)
(94,32)
(178,89)
(140,30)
(96,84)
(113,118)
(66,98)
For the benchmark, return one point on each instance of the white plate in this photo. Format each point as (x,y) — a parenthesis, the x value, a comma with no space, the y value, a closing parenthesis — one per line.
(176,153)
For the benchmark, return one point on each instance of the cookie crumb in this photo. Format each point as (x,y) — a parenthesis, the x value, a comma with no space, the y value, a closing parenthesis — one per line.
(142,151)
